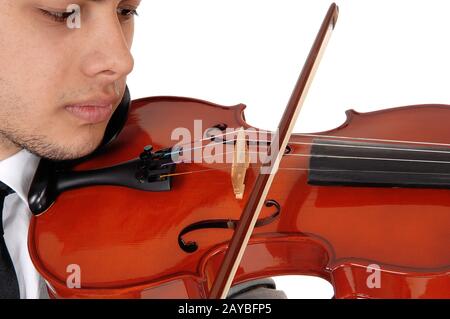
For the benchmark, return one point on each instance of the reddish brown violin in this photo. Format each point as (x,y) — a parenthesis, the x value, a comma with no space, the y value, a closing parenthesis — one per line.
(365,206)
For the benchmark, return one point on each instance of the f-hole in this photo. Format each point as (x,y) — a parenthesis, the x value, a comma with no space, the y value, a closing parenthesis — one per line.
(192,246)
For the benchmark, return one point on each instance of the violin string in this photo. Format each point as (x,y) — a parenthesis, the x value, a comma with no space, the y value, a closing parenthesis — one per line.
(324,144)
(346,157)
(331,145)
(366,147)
(308,135)
(376,139)
(323,156)
(370,158)
(205,139)
(360,171)
(211,156)
(316,155)
(374,147)
(188,172)
(314,170)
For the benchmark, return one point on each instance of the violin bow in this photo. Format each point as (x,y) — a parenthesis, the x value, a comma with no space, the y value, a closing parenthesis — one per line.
(252,208)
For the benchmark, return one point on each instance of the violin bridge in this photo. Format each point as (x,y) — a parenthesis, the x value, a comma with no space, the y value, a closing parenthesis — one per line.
(240,164)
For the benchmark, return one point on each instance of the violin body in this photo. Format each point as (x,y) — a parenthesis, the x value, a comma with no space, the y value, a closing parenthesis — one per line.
(368,241)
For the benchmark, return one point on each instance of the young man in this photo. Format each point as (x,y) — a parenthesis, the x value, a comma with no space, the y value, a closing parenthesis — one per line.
(61,78)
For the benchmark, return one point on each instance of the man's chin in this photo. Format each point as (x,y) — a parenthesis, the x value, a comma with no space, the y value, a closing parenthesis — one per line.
(58,152)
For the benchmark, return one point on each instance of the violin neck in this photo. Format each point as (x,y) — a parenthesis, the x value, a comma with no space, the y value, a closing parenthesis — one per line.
(377,165)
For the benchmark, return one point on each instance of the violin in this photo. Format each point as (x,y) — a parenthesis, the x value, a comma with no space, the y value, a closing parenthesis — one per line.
(364,206)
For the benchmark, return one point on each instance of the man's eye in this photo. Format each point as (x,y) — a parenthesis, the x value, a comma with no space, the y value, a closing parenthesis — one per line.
(57,16)
(127,12)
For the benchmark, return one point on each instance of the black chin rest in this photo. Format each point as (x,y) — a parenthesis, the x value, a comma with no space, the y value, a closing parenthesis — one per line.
(117,120)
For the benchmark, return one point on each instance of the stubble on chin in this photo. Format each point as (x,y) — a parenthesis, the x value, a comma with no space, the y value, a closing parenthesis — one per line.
(43,146)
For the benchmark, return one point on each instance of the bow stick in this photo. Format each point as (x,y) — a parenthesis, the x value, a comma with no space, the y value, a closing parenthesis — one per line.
(252,209)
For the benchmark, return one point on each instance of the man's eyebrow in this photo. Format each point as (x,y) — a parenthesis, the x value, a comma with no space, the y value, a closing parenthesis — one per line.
(98,1)
(102,0)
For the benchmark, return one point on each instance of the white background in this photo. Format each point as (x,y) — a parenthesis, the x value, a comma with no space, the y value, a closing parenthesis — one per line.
(382,54)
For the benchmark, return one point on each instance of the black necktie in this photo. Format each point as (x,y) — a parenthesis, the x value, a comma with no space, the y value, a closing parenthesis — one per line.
(9,286)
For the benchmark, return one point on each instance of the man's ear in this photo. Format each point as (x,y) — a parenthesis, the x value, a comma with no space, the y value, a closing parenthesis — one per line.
(118,119)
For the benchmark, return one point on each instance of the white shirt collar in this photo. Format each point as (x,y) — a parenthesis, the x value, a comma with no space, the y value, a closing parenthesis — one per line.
(17,171)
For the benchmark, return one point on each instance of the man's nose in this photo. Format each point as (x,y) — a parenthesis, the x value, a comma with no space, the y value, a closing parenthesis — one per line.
(108,55)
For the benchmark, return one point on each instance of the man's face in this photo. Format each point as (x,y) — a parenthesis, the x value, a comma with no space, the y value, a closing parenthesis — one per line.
(46,67)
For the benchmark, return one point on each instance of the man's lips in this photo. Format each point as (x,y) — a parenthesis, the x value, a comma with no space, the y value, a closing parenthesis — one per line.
(91,112)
